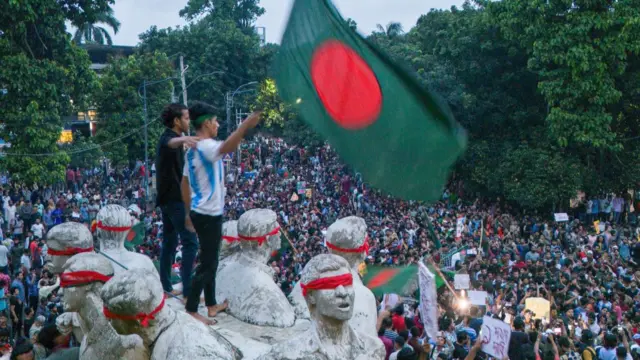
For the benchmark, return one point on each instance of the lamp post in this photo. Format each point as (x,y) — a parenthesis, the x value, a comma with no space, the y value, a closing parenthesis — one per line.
(229,102)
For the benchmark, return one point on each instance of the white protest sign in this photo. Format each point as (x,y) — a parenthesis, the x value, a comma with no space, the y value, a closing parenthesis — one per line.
(495,337)
(478,298)
(459,227)
(541,307)
(561,217)
(461,281)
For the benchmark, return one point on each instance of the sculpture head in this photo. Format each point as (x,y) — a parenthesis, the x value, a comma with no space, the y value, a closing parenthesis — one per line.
(113,223)
(259,233)
(83,274)
(66,240)
(229,238)
(133,300)
(327,286)
(347,237)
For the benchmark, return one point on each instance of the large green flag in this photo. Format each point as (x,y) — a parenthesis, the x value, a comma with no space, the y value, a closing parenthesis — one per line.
(376,115)
(396,280)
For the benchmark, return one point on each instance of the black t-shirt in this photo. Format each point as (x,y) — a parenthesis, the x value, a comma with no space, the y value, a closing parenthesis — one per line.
(169,165)
(13,300)
(459,352)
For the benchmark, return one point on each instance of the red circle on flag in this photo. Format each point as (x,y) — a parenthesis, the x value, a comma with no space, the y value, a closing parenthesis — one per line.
(346,85)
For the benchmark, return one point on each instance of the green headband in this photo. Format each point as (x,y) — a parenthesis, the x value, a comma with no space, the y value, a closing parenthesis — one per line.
(202,118)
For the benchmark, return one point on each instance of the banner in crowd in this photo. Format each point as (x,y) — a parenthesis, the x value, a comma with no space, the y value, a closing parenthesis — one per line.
(428,301)
(540,307)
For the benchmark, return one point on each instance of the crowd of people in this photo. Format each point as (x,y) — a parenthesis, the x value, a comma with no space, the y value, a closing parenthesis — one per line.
(586,266)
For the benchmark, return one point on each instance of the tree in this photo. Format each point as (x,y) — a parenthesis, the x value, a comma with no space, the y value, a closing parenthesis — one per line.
(83,152)
(44,76)
(119,104)
(352,24)
(282,119)
(221,57)
(88,32)
(393,29)
(243,12)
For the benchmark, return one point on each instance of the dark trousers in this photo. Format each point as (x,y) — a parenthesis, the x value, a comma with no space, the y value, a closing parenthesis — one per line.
(173,215)
(209,230)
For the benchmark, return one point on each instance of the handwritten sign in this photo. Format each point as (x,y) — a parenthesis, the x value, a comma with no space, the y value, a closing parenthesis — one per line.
(561,217)
(461,281)
(495,337)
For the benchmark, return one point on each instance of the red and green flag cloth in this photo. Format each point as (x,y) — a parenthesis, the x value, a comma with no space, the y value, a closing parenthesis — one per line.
(377,116)
(135,236)
(397,280)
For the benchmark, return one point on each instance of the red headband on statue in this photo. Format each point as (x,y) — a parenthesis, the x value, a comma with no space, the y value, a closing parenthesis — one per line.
(230,239)
(327,283)
(260,239)
(82,278)
(363,248)
(143,318)
(68,251)
(100,225)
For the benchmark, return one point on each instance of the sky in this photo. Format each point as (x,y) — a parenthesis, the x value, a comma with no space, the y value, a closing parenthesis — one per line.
(137,16)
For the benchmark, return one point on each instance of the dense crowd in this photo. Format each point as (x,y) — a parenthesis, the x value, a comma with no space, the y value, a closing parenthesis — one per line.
(586,266)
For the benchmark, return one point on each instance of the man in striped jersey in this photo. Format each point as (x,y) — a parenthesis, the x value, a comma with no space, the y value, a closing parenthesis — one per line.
(203,194)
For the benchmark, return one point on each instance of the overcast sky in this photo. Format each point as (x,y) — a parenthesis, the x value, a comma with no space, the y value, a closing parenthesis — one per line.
(137,16)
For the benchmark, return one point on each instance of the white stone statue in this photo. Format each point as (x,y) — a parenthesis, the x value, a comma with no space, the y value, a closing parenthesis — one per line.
(327,285)
(83,278)
(113,223)
(66,240)
(347,238)
(230,242)
(135,304)
(245,279)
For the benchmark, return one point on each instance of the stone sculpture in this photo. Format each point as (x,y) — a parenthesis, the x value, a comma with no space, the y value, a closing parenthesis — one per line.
(347,238)
(66,240)
(135,304)
(327,286)
(113,223)
(229,240)
(247,281)
(82,279)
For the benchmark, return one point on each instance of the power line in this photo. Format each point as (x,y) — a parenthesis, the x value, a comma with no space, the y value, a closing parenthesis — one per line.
(93,147)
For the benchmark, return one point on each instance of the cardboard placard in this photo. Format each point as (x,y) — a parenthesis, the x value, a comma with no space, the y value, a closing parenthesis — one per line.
(461,281)
(478,298)
(541,307)
(561,217)
(495,337)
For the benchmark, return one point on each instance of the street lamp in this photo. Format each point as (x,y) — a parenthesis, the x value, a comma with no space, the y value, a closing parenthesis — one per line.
(229,102)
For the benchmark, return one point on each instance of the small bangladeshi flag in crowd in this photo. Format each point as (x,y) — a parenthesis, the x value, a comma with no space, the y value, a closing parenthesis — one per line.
(135,236)
(395,280)
(377,116)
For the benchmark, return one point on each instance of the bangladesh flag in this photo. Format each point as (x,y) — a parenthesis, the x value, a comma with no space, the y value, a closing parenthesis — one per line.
(377,116)
(396,280)
(135,236)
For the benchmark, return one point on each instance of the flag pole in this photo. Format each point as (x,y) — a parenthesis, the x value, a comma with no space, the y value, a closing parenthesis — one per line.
(443,278)
(290,243)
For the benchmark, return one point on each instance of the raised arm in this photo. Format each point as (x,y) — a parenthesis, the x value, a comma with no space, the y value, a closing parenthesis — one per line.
(232,142)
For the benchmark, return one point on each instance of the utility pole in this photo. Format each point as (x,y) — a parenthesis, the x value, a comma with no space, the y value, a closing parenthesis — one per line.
(183,70)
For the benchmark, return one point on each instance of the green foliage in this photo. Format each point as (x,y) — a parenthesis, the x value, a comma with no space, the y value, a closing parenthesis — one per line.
(42,72)
(88,32)
(83,152)
(548,92)
(119,104)
(243,12)
(282,119)
(221,57)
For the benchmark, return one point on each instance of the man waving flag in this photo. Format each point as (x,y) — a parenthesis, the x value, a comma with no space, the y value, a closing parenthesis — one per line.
(377,116)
